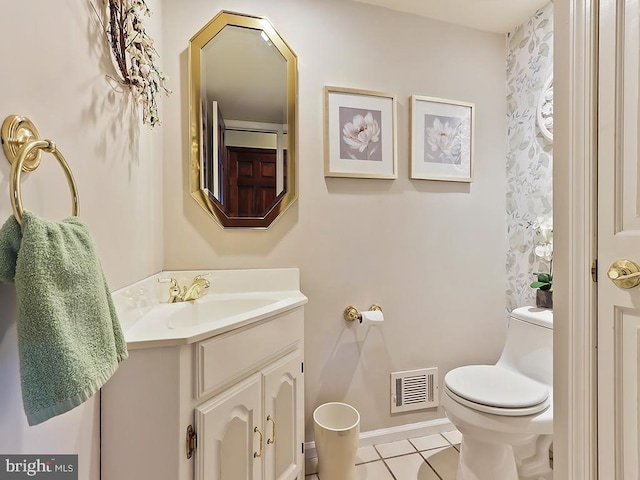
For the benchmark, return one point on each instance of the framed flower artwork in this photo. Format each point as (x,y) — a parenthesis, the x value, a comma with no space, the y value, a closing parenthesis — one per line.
(359,133)
(441,139)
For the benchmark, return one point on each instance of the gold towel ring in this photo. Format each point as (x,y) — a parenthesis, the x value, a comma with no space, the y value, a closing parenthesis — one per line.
(21,143)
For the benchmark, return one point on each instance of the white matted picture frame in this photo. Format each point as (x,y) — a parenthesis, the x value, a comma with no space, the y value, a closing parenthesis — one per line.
(442,139)
(359,133)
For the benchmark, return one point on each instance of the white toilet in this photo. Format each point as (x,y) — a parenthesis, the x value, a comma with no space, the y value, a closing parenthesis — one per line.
(505,411)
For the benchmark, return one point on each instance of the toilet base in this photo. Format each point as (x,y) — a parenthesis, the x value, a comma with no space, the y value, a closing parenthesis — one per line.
(482,460)
(533,459)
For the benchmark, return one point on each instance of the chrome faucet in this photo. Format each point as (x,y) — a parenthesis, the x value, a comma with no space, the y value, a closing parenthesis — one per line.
(184,294)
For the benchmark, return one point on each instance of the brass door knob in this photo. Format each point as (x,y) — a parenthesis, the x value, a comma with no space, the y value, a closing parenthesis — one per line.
(624,273)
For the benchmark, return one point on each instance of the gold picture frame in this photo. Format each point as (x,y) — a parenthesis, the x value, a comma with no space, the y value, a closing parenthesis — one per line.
(442,137)
(360,138)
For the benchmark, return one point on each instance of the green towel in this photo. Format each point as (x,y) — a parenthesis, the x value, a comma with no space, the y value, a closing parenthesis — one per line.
(69,337)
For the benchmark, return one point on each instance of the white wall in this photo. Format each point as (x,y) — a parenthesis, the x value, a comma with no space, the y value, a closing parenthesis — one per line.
(432,254)
(54,65)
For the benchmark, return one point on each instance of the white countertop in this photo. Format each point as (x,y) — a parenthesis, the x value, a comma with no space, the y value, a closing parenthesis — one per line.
(235,298)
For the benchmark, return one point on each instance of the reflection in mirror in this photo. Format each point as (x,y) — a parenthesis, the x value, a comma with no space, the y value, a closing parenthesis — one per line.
(243,90)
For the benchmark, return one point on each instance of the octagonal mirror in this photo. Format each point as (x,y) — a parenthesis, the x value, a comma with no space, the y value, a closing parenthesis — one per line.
(243,90)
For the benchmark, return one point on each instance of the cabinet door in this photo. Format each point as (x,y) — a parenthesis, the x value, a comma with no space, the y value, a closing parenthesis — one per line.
(227,435)
(284,418)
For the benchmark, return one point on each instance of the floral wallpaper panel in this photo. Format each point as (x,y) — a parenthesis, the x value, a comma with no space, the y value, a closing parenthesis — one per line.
(529,155)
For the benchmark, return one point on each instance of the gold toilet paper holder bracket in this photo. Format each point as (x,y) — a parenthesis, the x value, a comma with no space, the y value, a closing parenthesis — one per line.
(351,314)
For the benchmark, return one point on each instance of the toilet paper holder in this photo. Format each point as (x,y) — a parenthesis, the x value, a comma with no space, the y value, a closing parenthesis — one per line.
(351,314)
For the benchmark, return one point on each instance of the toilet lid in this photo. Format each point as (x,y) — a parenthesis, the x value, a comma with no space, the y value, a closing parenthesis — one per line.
(496,386)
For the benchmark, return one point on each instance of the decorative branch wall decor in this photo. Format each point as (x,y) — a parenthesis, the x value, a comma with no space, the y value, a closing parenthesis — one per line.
(134,55)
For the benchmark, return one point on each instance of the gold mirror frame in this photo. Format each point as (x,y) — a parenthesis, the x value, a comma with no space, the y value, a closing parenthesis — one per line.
(204,196)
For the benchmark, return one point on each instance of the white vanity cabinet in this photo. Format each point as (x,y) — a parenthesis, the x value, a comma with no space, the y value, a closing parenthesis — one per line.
(252,430)
(241,391)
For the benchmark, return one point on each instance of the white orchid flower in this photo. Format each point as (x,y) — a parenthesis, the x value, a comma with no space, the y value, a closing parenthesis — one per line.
(544,227)
(545,251)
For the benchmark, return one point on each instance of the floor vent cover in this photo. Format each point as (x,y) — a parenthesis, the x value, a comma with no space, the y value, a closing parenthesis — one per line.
(414,390)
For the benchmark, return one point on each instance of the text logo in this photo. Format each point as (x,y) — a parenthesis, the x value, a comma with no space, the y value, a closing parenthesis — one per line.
(44,467)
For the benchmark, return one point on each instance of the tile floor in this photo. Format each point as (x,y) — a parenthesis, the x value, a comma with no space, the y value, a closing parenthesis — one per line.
(434,457)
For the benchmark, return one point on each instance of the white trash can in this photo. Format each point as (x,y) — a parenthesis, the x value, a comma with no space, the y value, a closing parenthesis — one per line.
(336,427)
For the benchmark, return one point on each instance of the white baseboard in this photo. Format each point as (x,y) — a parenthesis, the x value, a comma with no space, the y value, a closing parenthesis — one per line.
(393,434)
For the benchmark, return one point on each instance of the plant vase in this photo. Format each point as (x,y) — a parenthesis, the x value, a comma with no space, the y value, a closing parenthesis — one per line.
(544,298)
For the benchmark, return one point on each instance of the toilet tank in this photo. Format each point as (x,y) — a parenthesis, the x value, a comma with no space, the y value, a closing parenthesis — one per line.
(528,348)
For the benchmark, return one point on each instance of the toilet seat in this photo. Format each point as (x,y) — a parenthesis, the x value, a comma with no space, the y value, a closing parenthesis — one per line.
(496,390)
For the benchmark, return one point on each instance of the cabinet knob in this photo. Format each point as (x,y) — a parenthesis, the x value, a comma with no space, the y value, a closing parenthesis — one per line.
(272,440)
(256,454)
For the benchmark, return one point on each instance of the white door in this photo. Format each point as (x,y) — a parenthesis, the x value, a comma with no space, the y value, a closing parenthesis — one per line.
(618,238)
(284,418)
(230,436)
